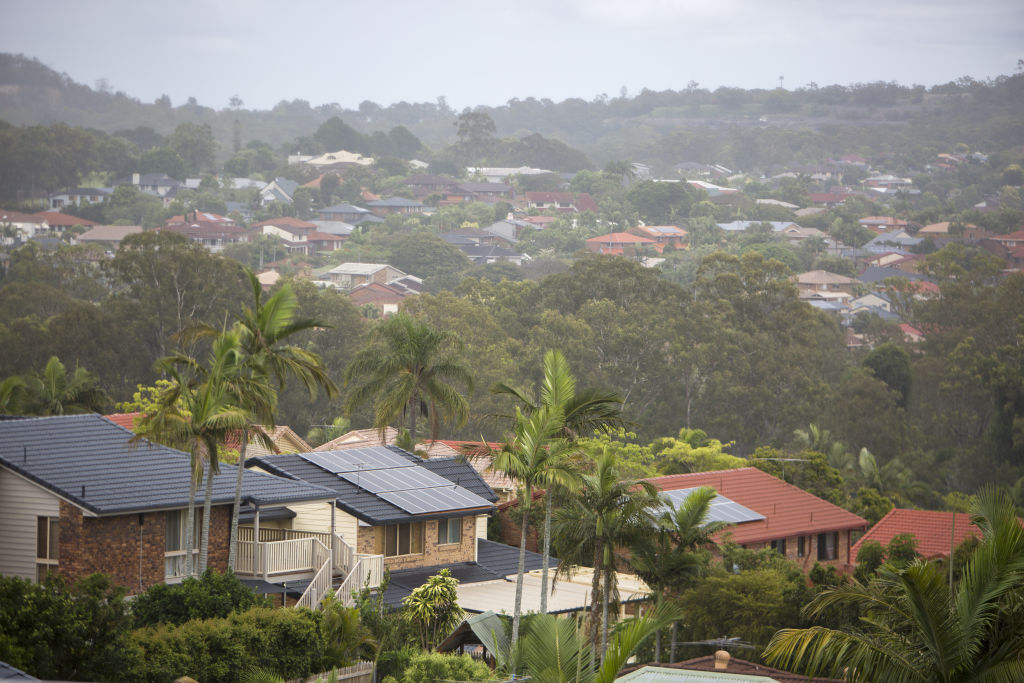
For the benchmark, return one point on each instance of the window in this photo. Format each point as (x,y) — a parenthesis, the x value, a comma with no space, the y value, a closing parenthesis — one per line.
(779,546)
(827,545)
(449,531)
(801,546)
(175,542)
(47,546)
(400,539)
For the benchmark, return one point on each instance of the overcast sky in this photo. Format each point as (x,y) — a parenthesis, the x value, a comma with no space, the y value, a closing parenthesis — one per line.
(486,52)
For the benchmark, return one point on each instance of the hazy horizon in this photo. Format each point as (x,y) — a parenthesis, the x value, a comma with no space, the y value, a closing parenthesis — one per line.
(474,53)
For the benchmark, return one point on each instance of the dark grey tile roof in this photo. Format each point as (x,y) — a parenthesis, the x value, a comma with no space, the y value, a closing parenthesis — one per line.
(367,506)
(10,673)
(494,561)
(395,201)
(91,462)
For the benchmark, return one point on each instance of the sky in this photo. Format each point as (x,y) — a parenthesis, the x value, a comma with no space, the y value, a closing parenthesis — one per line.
(484,52)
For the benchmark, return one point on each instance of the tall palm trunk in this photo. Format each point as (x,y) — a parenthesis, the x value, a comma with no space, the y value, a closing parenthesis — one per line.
(605,598)
(595,599)
(233,542)
(204,543)
(190,523)
(546,558)
(672,646)
(517,612)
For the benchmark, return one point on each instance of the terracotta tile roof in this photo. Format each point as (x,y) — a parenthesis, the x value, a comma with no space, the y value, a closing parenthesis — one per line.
(932,529)
(360,438)
(619,238)
(788,510)
(126,420)
(19,217)
(57,218)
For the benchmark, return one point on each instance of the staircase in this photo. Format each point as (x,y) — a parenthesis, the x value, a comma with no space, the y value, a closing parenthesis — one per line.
(355,569)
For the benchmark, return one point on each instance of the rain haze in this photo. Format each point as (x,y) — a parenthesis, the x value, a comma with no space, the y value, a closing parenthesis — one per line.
(482,52)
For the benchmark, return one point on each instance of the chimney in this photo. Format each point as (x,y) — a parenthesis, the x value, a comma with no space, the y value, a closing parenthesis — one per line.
(722,659)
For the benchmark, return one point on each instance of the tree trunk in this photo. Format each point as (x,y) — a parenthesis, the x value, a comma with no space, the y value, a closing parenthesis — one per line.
(605,597)
(233,542)
(546,557)
(672,647)
(190,523)
(516,613)
(204,543)
(595,600)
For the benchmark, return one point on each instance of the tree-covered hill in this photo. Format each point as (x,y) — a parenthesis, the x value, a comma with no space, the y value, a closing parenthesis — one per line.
(747,129)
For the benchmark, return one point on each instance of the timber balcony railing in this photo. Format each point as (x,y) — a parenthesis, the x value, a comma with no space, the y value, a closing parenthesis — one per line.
(285,551)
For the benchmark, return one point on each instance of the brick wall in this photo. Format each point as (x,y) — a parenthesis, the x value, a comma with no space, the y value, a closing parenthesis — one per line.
(843,561)
(433,554)
(128,548)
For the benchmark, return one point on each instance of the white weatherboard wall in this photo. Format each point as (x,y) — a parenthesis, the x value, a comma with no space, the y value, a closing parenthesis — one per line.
(21,502)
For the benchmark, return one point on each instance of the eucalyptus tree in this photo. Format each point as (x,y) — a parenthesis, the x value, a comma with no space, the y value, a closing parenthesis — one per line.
(411,370)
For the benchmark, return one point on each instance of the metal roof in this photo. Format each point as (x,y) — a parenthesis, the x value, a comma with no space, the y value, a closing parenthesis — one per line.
(93,463)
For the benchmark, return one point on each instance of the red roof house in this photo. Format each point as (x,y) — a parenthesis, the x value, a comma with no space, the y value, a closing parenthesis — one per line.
(620,243)
(934,531)
(798,524)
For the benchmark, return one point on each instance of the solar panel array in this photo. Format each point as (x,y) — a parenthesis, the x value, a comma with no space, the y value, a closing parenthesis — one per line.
(356,460)
(396,480)
(721,509)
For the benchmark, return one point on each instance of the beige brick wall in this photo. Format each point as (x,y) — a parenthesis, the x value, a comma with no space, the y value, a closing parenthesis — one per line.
(843,561)
(433,554)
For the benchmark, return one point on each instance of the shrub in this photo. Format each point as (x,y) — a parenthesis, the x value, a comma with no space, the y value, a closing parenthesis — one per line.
(212,595)
(430,667)
(285,641)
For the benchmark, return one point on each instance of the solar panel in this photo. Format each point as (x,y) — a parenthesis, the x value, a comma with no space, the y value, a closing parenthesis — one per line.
(721,509)
(357,460)
(438,499)
(394,479)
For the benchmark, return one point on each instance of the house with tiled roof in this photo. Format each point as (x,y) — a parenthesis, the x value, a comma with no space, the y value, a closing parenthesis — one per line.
(78,196)
(79,494)
(936,532)
(621,243)
(823,281)
(212,235)
(565,202)
(663,234)
(881,224)
(350,275)
(795,523)
(62,221)
(393,205)
(278,190)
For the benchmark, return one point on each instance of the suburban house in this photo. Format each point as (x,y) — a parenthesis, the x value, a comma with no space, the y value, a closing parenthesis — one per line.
(621,243)
(500,174)
(334,161)
(936,532)
(384,297)
(393,205)
(346,213)
(566,202)
(109,236)
(663,235)
(278,190)
(881,224)
(711,189)
(770,513)
(297,235)
(78,196)
(823,285)
(351,275)
(478,192)
(212,235)
(511,228)
(27,225)
(414,512)
(79,495)
(423,185)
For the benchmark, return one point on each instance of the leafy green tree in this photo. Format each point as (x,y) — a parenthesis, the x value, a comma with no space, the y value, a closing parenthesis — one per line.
(408,372)
(347,639)
(211,595)
(429,667)
(917,628)
(891,364)
(434,608)
(163,160)
(196,146)
(59,632)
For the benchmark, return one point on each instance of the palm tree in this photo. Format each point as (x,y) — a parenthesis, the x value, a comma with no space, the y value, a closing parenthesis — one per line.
(12,391)
(555,650)
(670,558)
(534,457)
(262,331)
(583,412)
(609,514)
(196,411)
(55,392)
(915,628)
(410,373)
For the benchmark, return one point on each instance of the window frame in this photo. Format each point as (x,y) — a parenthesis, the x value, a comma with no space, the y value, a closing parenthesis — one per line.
(47,546)
(823,546)
(452,529)
(391,539)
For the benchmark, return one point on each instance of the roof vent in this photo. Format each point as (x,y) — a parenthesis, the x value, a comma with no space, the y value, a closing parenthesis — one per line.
(722,659)
(83,490)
